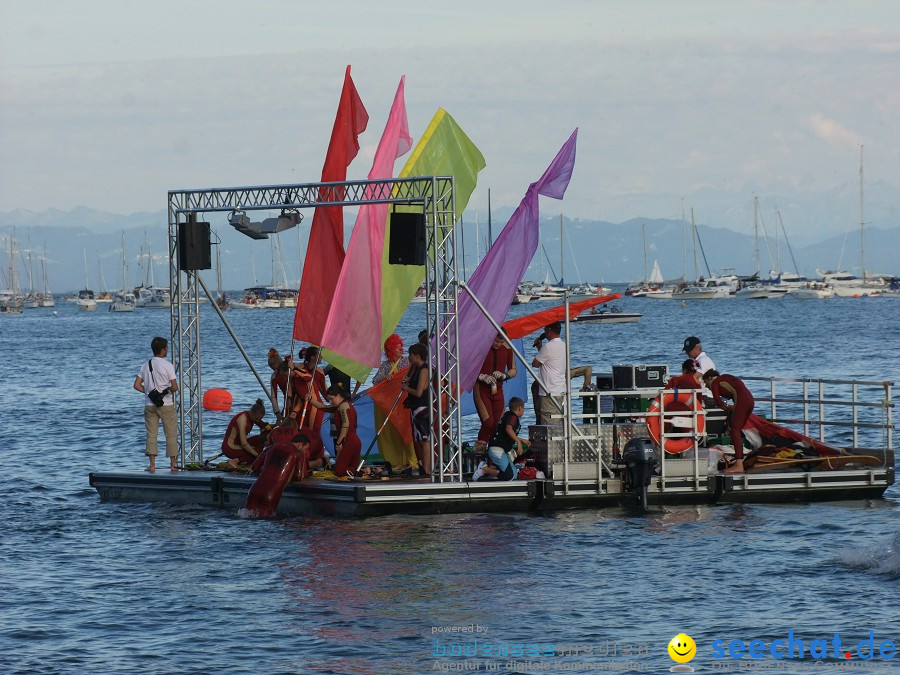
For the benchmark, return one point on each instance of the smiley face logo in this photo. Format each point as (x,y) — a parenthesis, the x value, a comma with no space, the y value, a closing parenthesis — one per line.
(682,648)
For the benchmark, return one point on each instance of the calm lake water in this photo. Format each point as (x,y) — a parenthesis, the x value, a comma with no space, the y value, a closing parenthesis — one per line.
(152,588)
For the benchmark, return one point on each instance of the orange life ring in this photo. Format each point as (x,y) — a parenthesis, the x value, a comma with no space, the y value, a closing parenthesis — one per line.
(217,399)
(676,400)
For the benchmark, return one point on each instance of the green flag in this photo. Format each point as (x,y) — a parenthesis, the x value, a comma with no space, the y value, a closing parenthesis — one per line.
(443,150)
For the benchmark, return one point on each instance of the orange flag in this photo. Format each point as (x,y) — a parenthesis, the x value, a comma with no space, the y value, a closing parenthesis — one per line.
(384,395)
(516,328)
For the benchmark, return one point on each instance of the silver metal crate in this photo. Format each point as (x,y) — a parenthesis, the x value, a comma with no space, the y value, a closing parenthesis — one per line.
(548,453)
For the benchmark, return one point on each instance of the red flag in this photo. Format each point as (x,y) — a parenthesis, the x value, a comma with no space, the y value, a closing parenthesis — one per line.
(516,328)
(325,253)
(384,394)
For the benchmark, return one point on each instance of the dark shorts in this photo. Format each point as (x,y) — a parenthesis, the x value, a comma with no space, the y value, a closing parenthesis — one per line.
(421,427)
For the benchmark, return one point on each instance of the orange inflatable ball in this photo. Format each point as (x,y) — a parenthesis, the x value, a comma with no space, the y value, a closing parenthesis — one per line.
(217,399)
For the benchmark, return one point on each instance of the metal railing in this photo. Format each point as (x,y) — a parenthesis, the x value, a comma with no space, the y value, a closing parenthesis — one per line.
(860,412)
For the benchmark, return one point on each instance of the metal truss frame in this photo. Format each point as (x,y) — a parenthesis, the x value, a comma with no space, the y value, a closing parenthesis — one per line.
(435,195)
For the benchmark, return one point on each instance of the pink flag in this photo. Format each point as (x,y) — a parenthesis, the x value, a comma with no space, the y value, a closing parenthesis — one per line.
(496,279)
(353,328)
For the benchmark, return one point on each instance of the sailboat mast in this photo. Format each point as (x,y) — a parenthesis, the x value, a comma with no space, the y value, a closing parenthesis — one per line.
(756,231)
(124,267)
(862,221)
(490,231)
(694,240)
(562,276)
(644,239)
(477,239)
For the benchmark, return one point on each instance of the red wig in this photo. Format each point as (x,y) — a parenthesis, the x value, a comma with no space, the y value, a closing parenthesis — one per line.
(391,344)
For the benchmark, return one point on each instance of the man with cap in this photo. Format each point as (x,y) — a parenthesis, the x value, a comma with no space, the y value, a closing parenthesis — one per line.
(694,350)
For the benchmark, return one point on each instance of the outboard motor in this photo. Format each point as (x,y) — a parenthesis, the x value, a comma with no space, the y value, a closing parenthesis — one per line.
(640,463)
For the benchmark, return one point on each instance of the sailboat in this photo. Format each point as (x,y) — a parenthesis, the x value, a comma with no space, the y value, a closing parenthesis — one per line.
(753,290)
(86,301)
(847,285)
(696,289)
(47,296)
(124,300)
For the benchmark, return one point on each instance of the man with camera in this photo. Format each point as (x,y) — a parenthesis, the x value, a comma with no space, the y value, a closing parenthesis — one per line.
(156,380)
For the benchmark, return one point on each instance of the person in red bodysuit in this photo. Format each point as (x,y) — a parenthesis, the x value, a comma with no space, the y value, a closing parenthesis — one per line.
(490,402)
(280,379)
(728,386)
(347,444)
(308,383)
(237,444)
(690,378)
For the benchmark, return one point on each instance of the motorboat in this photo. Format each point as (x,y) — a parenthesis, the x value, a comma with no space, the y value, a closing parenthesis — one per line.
(86,301)
(753,292)
(153,297)
(612,315)
(122,302)
(812,290)
(694,292)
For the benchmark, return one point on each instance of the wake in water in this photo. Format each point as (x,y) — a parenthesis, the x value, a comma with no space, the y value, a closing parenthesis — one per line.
(877,559)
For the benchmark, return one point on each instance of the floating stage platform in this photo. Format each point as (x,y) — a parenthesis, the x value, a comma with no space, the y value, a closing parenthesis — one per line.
(383,497)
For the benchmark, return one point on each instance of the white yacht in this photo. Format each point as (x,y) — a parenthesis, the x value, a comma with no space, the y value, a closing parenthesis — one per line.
(812,290)
(122,302)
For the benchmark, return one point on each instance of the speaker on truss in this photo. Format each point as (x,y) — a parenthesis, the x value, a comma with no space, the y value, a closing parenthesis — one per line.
(407,242)
(194,251)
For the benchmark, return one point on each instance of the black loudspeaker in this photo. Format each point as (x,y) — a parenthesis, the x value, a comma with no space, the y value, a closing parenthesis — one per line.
(194,251)
(407,242)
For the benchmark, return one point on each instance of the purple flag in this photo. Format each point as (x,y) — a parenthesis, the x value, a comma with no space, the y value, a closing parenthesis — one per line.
(498,276)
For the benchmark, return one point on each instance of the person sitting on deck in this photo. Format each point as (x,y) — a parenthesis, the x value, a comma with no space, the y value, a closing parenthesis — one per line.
(728,386)
(238,445)
(505,439)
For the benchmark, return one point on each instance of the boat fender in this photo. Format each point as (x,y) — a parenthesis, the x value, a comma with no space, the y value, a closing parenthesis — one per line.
(279,467)
(217,399)
(684,400)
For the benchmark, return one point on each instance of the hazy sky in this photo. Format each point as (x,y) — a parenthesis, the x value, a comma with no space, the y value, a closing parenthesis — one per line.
(110,103)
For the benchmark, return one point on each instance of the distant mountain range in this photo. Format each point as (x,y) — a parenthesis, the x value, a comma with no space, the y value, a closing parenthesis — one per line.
(605,251)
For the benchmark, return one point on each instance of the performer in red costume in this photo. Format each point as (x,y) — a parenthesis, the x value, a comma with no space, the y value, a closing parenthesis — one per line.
(347,444)
(690,377)
(499,366)
(728,386)
(237,444)
(308,382)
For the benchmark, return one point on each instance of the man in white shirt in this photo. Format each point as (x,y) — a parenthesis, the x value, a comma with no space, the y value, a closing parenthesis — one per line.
(158,375)
(551,362)
(694,350)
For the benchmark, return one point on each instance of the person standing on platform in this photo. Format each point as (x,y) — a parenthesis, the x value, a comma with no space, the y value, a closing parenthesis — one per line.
(156,379)
(415,384)
(728,386)
(347,445)
(279,381)
(693,349)
(551,364)
(308,382)
(499,365)
(401,456)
